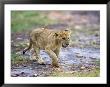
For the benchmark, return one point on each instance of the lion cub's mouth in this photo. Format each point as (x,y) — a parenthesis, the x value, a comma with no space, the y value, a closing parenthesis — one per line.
(66,45)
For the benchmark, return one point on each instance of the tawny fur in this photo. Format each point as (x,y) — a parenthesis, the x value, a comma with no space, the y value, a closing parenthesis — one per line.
(49,40)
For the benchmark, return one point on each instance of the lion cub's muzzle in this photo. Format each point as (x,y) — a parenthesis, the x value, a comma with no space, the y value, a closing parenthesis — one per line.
(65,45)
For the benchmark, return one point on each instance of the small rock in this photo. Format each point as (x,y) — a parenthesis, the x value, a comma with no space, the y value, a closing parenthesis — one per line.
(17,75)
(35,75)
(84,57)
(89,69)
(82,68)
(14,75)
(46,75)
(19,38)
(16,45)
(96,34)
(18,52)
(24,66)
(79,56)
(22,73)
(77,53)
(92,58)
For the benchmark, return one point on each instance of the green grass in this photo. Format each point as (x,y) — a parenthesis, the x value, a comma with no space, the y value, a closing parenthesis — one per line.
(92,73)
(21,20)
(96,61)
(86,32)
(15,59)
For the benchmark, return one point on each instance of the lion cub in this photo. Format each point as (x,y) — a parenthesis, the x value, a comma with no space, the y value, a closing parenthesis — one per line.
(50,40)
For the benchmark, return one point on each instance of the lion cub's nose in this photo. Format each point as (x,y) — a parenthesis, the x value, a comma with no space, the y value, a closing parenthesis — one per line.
(67,44)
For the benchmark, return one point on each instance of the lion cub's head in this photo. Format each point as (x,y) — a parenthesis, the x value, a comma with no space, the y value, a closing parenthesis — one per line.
(64,37)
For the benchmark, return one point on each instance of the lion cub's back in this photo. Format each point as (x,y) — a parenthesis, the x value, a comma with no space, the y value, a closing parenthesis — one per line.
(42,32)
(42,37)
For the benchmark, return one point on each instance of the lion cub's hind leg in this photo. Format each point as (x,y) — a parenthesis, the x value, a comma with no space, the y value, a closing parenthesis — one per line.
(37,55)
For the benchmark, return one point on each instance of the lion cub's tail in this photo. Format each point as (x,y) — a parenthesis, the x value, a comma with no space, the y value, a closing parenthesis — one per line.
(29,47)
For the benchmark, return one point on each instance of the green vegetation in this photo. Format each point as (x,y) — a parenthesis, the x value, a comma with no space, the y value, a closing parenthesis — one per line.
(81,37)
(85,37)
(96,61)
(92,73)
(21,20)
(15,59)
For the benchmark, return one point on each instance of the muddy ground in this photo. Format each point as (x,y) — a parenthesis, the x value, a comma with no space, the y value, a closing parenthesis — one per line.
(81,57)
(72,58)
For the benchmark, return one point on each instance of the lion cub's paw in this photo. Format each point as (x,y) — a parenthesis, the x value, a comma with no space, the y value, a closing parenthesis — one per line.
(41,61)
(55,65)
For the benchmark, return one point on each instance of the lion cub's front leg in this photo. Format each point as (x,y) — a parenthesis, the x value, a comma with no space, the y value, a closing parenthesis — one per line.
(56,51)
(53,56)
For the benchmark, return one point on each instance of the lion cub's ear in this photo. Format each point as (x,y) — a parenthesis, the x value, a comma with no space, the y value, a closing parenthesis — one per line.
(56,34)
(66,30)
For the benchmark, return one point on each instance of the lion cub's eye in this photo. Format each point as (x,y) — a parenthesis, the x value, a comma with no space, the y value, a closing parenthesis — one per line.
(63,38)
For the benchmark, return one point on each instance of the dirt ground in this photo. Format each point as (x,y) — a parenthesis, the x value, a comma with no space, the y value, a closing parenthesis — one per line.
(81,58)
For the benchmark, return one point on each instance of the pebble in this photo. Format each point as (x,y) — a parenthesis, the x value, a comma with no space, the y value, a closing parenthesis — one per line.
(22,73)
(19,38)
(82,68)
(92,58)
(79,56)
(35,75)
(17,75)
